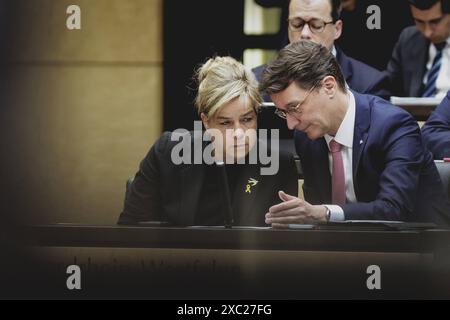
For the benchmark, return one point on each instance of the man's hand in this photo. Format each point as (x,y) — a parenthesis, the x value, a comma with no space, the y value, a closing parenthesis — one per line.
(294,210)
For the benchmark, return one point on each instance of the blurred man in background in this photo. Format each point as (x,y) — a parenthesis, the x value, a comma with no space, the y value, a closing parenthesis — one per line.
(420,63)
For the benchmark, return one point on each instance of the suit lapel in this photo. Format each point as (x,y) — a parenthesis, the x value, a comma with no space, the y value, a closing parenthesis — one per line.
(362,124)
(192,177)
(344,64)
(421,56)
(322,175)
(246,191)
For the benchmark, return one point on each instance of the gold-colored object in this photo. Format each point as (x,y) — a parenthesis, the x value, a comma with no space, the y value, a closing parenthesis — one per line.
(250,183)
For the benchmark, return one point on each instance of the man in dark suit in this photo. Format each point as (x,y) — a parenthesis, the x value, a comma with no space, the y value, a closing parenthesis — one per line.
(420,63)
(319,21)
(436,131)
(362,157)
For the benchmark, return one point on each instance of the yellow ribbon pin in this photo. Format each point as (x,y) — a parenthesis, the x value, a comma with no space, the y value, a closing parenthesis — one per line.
(251,183)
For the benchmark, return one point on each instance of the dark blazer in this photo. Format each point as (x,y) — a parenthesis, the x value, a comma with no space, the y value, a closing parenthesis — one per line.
(359,76)
(394,176)
(407,66)
(436,131)
(164,191)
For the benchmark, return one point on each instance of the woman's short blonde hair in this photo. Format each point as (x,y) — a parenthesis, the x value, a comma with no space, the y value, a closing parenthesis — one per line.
(221,80)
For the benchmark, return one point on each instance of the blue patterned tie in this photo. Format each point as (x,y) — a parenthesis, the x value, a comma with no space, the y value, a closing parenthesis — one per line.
(430,87)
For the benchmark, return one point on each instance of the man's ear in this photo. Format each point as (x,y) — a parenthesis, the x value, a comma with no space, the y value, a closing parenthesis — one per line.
(204,120)
(338,29)
(329,85)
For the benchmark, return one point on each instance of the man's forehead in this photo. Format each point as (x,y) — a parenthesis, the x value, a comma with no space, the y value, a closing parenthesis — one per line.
(287,96)
(310,8)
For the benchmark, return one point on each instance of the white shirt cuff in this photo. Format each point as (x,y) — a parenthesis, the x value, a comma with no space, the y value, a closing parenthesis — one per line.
(336,212)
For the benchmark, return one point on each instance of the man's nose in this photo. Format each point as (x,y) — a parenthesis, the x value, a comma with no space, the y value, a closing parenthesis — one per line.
(306,33)
(428,31)
(291,122)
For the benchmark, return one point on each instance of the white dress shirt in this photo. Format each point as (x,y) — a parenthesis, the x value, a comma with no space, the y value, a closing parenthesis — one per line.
(334,51)
(443,79)
(344,136)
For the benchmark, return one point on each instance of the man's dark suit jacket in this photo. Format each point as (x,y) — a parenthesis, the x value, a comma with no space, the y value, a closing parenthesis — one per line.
(359,76)
(407,66)
(436,131)
(164,191)
(394,176)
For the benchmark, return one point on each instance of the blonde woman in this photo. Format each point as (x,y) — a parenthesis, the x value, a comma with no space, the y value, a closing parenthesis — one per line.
(190,192)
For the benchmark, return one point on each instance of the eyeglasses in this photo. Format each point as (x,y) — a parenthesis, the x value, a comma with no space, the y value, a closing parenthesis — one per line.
(315,25)
(291,110)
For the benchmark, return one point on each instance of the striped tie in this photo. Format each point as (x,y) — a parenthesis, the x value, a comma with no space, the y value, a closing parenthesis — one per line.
(430,86)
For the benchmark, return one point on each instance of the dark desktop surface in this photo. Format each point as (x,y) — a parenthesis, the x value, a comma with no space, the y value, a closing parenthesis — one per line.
(326,238)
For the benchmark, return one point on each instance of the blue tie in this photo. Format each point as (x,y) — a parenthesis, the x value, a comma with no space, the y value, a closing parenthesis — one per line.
(430,86)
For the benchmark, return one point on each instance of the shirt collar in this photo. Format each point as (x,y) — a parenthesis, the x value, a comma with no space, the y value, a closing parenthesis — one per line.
(334,51)
(433,49)
(344,135)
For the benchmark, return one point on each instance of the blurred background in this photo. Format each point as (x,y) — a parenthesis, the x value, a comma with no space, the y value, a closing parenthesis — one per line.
(80,108)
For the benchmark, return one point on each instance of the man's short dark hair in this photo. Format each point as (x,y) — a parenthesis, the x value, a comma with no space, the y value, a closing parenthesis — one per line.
(336,9)
(427,4)
(303,62)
